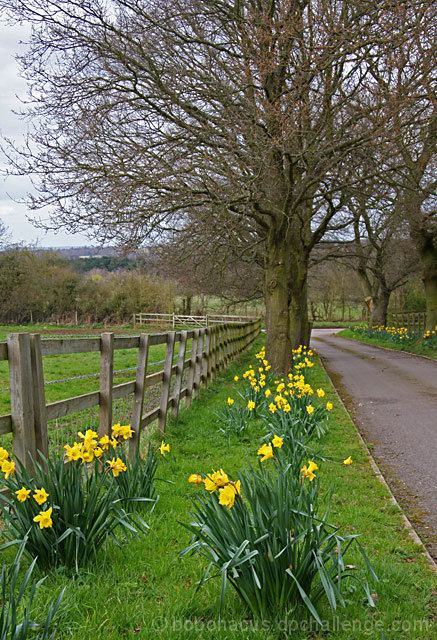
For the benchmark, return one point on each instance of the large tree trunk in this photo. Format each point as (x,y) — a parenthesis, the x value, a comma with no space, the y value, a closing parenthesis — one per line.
(287,326)
(428,255)
(378,316)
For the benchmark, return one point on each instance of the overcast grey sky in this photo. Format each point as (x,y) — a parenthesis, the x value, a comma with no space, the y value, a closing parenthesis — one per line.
(12,214)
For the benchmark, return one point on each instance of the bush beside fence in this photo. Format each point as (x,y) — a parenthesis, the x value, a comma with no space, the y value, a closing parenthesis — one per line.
(211,349)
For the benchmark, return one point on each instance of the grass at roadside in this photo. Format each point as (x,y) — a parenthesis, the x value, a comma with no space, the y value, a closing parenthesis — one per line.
(145,590)
(418,348)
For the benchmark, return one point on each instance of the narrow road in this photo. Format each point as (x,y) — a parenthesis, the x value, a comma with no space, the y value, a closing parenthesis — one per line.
(392,397)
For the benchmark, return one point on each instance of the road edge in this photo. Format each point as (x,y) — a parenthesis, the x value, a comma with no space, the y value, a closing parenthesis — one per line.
(411,530)
(378,346)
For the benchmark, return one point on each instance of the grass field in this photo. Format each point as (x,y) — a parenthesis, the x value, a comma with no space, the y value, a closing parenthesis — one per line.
(418,348)
(145,590)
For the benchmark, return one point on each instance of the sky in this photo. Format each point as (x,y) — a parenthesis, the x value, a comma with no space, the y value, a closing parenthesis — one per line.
(16,215)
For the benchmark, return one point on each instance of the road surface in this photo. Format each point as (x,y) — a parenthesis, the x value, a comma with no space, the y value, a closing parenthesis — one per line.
(392,397)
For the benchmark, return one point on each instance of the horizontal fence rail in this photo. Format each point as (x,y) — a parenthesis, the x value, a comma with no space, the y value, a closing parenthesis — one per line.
(174,319)
(184,372)
(414,322)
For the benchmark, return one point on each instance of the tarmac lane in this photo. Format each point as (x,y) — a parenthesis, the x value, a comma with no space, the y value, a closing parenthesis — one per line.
(392,398)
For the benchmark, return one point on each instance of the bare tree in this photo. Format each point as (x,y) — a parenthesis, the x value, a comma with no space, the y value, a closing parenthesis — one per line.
(242,111)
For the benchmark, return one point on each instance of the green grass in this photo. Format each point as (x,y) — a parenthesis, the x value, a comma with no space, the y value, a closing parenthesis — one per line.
(145,590)
(418,348)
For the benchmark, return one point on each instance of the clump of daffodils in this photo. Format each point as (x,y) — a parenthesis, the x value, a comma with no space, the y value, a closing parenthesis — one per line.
(91,447)
(219,480)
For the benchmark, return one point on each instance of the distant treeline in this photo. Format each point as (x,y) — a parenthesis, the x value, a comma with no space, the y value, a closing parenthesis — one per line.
(105,263)
(38,286)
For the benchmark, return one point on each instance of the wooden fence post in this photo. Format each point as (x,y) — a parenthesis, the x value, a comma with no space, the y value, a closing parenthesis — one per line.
(106,383)
(140,383)
(192,369)
(166,379)
(20,382)
(199,363)
(206,357)
(39,396)
(179,374)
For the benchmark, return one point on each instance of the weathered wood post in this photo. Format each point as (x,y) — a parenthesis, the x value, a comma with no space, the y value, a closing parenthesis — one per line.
(39,397)
(166,379)
(192,368)
(106,383)
(140,384)
(22,409)
(179,374)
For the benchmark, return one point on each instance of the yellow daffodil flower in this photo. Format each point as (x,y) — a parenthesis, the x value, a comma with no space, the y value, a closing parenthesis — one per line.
(74,452)
(329,406)
(347,461)
(227,495)
(40,496)
(218,479)
(310,409)
(194,478)
(272,407)
(267,393)
(277,442)
(266,451)
(105,442)
(251,405)
(231,401)
(8,467)
(320,393)
(163,448)
(44,519)
(3,454)
(236,378)
(23,494)
(116,466)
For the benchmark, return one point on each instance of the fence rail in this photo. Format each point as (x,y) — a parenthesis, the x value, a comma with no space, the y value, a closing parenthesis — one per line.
(173,319)
(415,322)
(211,349)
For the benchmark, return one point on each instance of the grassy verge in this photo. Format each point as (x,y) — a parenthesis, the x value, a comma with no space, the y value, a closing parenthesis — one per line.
(418,348)
(144,590)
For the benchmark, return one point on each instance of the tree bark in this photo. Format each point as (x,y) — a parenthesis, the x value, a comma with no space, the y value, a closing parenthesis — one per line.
(286,299)
(378,317)
(428,255)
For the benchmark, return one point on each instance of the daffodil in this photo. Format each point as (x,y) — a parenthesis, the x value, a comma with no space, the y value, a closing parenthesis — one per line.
(272,407)
(40,496)
(105,442)
(251,405)
(216,480)
(163,448)
(308,472)
(116,466)
(231,401)
(44,519)
(320,393)
(310,409)
(277,442)
(266,451)
(347,461)
(236,378)
(3,454)
(329,406)
(23,494)
(74,452)
(194,478)
(8,467)
(227,495)
(267,393)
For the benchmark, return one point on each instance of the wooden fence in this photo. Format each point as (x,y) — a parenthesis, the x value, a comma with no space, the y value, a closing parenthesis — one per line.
(211,350)
(415,322)
(173,319)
